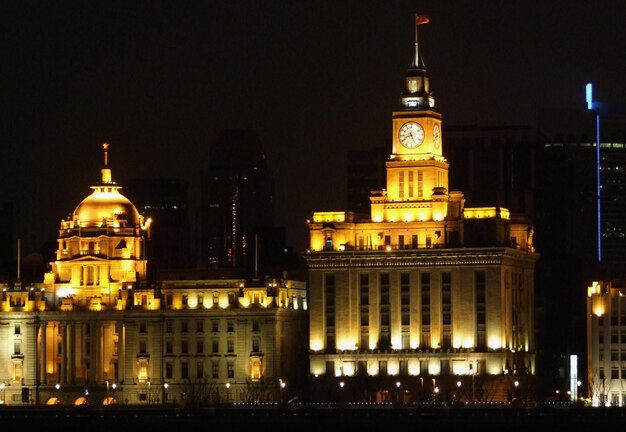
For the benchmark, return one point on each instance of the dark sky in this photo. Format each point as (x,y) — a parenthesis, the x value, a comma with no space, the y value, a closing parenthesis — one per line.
(159,80)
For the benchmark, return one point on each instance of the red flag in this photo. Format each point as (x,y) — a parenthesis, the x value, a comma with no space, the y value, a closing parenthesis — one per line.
(421,19)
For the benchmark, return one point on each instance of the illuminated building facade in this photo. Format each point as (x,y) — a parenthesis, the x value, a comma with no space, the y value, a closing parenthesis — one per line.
(94,332)
(606,344)
(424,298)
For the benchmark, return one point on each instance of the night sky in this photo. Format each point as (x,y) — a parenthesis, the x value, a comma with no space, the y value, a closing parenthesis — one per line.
(159,80)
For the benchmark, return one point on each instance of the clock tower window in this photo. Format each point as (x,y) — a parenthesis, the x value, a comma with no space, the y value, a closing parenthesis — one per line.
(420,184)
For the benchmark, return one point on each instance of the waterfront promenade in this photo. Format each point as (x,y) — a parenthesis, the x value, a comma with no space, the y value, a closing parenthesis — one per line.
(319,417)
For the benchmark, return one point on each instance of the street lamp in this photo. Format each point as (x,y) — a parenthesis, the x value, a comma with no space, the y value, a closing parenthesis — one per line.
(1,393)
(165,386)
(282,389)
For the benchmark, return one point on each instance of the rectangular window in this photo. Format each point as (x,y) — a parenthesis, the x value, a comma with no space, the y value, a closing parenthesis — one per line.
(230,370)
(169,326)
(480,297)
(230,326)
(365,317)
(330,368)
(184,370)
(230,344)
(401,184)
(215,346)
(405,289)
(384,288)
(364,289)
(215,326)
(446,298)
(199,326)
(184,326)
(404,367)
(199,347)
(184,347)
(215,369)
(420,184)
(329,290)
(169,371)
(425,297)
(405,299)
(411,192)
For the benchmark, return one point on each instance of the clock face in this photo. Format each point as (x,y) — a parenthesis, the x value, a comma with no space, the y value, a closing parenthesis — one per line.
(411,135)
(436,136)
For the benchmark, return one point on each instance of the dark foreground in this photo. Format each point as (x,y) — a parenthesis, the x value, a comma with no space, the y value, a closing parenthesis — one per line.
(509,419)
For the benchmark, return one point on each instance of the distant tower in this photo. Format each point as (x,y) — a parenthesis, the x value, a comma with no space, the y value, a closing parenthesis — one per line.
(237,200)
(7,254)
(164,201)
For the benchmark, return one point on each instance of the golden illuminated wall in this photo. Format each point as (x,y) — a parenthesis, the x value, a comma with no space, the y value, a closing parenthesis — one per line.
(508,301)
(373,236)
(606,313)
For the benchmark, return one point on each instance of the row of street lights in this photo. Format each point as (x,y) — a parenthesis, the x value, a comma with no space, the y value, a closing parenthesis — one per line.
(457,396)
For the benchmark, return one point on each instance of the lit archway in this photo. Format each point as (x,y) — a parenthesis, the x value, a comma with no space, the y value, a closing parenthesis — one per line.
(109,400)
(81,401)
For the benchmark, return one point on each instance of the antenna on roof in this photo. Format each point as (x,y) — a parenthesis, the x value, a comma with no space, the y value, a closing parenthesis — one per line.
(105,147)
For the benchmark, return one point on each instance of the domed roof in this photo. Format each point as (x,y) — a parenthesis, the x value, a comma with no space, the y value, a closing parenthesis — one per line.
(104,206)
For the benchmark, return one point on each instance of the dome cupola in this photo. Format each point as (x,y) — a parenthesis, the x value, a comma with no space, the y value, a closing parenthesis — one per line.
(106,207)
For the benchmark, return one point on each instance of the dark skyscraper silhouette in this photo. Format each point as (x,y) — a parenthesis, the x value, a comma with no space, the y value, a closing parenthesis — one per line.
(236,201)
(165,202)
(7,253)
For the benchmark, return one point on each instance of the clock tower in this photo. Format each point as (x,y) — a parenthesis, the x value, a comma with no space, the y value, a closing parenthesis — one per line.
(416,169)
(420,286)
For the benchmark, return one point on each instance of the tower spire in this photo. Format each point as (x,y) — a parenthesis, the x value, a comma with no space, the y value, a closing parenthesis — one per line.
(106,171)
(105,148)
(417,60)
(417,92)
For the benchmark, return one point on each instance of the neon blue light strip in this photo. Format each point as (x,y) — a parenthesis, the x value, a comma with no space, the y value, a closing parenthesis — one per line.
(589,95)
(598,185)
